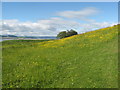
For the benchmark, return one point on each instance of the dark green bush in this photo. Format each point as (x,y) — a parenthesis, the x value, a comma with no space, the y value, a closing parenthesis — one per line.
(67,33)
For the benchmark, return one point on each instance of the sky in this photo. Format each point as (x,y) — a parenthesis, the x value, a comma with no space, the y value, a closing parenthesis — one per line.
(49,18)
(60,0)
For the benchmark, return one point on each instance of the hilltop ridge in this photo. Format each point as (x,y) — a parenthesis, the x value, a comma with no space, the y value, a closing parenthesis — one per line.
(96,36)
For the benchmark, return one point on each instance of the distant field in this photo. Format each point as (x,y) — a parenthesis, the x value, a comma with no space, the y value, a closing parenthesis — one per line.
(88,60)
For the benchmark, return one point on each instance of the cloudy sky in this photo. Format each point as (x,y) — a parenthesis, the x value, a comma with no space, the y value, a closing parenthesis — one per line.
(49,18)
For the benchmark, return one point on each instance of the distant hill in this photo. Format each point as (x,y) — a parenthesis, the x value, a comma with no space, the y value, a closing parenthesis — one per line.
(8,36)
(32,37)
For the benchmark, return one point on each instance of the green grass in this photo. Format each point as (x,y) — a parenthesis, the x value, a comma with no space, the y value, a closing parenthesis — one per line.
(88,60)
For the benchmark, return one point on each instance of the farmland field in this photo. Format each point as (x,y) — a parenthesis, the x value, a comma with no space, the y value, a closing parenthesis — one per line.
(88,60)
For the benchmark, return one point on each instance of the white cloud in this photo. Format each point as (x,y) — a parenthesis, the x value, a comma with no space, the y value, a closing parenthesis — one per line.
(95,26)
(42,27)
(48,27)
(81,14)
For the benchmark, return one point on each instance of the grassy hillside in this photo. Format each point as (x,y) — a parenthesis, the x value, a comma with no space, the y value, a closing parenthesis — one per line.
(88,60)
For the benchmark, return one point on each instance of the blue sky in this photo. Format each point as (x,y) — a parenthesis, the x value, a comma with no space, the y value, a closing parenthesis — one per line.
(39,10)
(46,13)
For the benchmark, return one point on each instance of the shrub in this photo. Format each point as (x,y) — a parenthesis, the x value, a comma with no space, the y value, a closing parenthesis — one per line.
(67,33)
(62,34)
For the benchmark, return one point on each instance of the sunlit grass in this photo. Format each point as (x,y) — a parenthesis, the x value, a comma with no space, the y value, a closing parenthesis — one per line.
(87,60)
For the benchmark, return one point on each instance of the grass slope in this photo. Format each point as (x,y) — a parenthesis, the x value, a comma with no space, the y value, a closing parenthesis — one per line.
(88,60)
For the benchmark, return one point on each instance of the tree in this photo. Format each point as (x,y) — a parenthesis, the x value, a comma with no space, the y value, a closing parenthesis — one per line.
(67,33)
(71,33)
(61,34)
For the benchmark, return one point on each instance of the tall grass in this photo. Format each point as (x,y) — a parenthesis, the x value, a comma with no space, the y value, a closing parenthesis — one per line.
(88,60)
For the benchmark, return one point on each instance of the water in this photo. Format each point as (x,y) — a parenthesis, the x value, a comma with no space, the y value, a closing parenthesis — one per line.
(5,39)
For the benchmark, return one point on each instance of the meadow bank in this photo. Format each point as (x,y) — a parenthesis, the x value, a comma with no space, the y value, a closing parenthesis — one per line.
(88,60)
